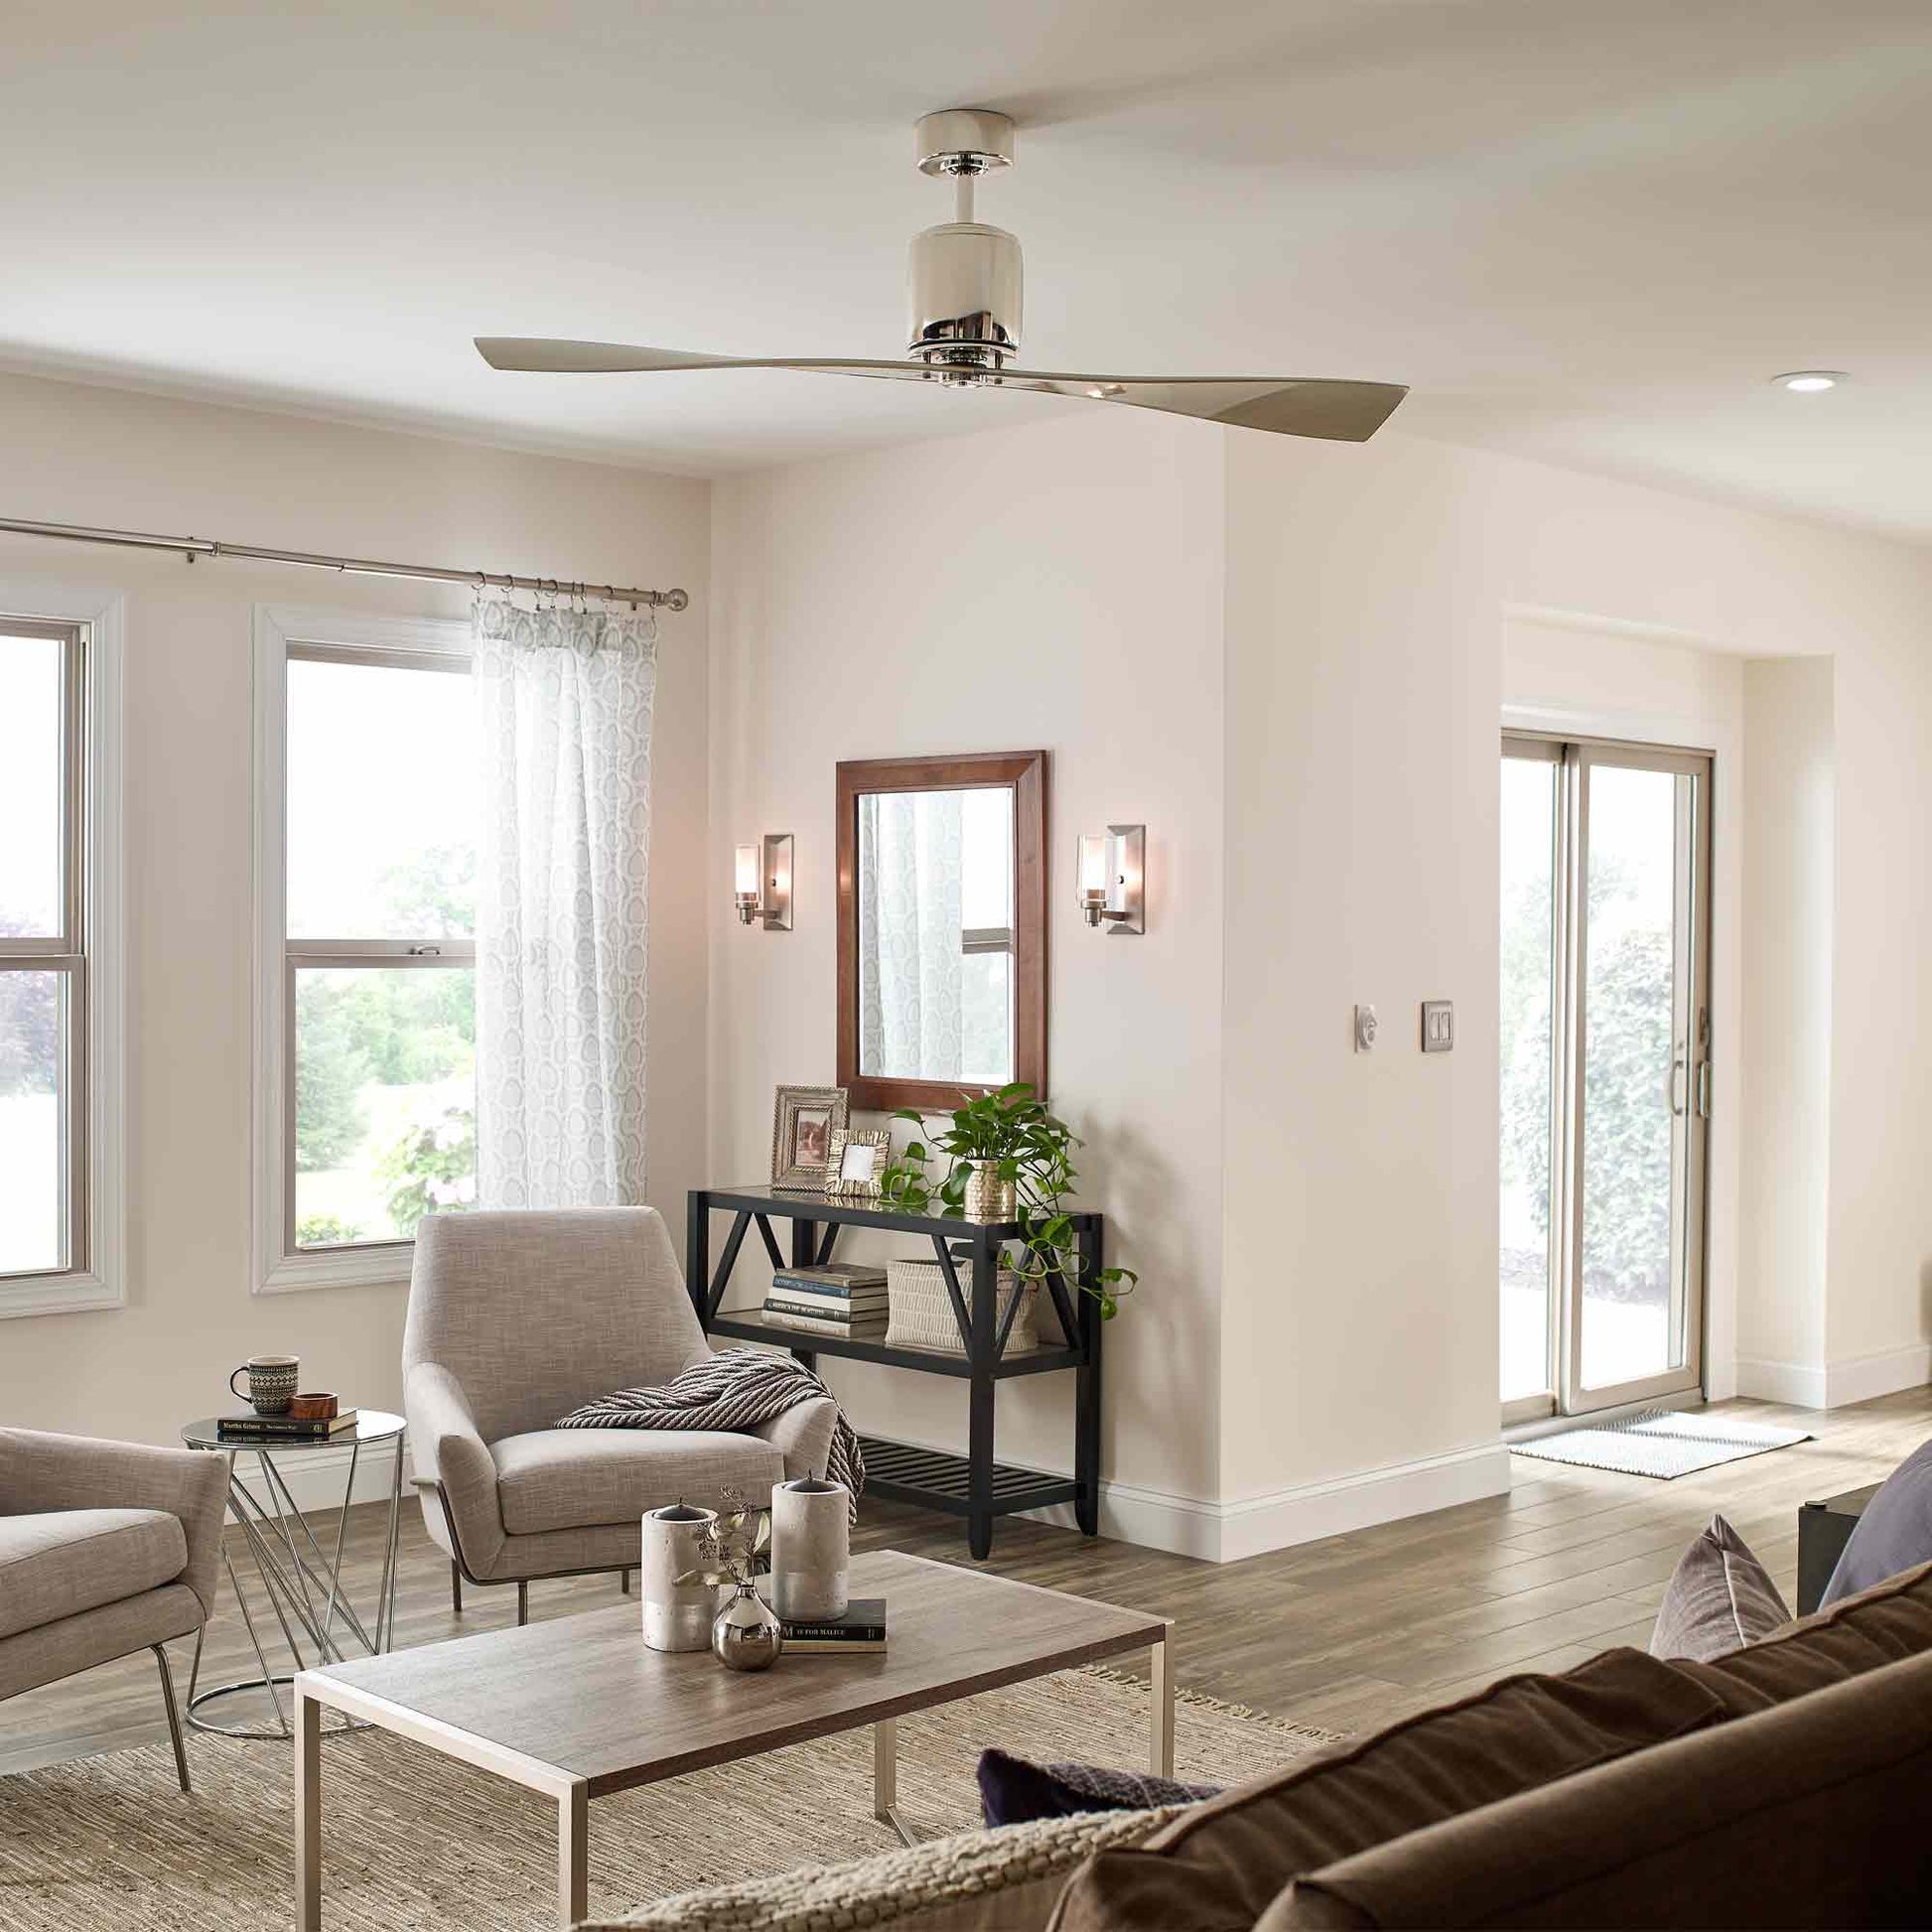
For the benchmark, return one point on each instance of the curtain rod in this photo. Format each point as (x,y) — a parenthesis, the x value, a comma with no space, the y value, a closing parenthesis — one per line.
(192,547)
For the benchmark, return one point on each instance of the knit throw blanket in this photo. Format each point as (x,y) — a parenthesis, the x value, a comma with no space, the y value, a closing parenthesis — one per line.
(736,1390)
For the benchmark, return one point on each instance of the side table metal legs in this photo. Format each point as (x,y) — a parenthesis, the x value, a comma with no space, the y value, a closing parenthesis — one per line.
(303,1585)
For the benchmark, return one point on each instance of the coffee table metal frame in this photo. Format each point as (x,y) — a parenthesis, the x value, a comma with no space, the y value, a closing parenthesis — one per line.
(317,1691)
(302,1582)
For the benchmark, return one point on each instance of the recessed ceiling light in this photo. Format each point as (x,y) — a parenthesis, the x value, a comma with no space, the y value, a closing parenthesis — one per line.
(1808,382)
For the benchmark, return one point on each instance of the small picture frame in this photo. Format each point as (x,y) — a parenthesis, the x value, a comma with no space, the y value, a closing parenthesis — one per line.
(859,1157)
(804,1122)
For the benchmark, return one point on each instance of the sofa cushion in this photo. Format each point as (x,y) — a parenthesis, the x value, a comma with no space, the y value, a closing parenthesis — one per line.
(1893,1532)
(1218,1867)
(1862,1633)
(1720,1599)
(1810,1814)
(1014,1790)
(60,1561)
(572,1479)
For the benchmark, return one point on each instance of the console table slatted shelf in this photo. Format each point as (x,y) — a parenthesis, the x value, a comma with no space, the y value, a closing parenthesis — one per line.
(975,1486)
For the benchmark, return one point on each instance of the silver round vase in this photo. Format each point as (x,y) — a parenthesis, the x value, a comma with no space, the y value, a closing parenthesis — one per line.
(746,1634)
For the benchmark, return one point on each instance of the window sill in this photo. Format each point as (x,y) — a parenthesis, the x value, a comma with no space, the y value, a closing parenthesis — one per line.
(21,1295)
(355,1268)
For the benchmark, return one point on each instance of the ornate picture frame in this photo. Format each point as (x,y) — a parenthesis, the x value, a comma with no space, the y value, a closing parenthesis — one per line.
(869,1148)
(804,1122)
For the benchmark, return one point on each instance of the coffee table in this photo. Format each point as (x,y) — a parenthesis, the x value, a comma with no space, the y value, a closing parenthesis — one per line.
(577,1708)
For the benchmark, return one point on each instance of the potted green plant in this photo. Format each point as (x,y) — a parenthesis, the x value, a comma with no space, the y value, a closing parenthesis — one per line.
(1006,1159)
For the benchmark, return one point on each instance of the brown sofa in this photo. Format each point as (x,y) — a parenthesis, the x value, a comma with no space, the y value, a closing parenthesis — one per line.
(1782,1785)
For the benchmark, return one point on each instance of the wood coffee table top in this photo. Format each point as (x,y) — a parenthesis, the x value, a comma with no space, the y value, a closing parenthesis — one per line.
(583,1697)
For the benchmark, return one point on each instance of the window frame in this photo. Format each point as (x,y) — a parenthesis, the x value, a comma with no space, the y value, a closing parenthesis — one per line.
(88,622)
(282,633)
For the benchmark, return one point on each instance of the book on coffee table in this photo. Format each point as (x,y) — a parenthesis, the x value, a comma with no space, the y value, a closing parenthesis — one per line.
(860,1632)
(283,1428)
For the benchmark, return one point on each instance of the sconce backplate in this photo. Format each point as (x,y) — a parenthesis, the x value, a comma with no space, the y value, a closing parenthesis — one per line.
(774,882)
(1127,884)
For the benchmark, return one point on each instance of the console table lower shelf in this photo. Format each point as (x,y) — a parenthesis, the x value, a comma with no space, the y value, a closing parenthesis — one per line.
(905,1473)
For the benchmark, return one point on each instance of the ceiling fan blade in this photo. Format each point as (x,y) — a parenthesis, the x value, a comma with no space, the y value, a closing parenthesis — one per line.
(1340,411)
(539,356)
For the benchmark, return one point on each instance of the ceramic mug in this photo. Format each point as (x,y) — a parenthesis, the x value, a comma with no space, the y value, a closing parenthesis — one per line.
(271,1383)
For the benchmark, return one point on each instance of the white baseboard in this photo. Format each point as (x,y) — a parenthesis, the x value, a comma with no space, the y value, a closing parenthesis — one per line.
(316,1476)
(1802,1384)
(1832,1385)
(1228,1532)
(1858,1378)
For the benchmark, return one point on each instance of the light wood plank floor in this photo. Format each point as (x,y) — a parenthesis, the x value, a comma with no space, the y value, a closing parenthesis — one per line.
(1348,1633)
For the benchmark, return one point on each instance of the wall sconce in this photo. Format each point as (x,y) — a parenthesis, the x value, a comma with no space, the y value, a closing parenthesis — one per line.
(1112,870)
(762,882)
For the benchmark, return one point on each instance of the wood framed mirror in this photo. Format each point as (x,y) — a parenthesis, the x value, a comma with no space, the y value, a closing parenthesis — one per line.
(942,927)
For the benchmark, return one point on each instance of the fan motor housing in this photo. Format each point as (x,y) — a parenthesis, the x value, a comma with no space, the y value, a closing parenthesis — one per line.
(963,286)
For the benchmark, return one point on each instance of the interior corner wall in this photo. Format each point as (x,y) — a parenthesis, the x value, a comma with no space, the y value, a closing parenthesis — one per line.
(114,459)
(1785,1093)
(1057,585)
(1360,1309)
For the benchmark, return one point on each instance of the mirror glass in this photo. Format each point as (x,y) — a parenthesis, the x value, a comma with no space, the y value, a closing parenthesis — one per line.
(935,934)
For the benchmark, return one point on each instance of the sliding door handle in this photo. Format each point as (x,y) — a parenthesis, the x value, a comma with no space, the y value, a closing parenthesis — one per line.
(1677,1067)
(1703,1090)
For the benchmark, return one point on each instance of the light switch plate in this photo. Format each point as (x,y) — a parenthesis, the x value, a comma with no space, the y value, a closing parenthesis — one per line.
(1438,1025)
(1365,1025)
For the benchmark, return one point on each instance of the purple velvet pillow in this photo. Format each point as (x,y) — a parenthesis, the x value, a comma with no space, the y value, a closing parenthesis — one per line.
(1012,1790)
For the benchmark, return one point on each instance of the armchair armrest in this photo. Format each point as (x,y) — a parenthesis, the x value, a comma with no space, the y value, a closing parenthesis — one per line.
(448,1449)
(45,1472)
(802,1436)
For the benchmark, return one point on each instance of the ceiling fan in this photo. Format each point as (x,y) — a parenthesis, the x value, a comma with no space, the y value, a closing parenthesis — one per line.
(964,282)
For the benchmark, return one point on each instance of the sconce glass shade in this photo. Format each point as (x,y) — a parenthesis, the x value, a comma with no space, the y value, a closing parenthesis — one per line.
(744,890)
(1112,878)
(1094,874)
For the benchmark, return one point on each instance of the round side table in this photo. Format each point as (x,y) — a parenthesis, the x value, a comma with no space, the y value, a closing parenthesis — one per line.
(302,1583)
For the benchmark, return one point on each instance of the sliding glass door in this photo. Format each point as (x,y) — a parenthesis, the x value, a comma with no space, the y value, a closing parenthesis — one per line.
(1605,1072)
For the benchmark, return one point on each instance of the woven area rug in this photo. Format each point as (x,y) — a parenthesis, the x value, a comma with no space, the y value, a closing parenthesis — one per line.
(412,1840)
(1662,1443)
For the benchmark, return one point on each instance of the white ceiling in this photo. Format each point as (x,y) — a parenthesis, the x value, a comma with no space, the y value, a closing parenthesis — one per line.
(1587,229)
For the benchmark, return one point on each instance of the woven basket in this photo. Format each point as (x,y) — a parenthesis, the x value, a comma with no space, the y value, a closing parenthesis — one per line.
(920,1310)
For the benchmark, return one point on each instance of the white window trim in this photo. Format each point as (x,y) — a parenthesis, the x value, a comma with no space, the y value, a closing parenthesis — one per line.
(102,1284)
(277,626)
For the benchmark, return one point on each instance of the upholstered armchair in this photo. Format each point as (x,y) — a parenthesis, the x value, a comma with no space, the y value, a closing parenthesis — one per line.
(105,1548)
(515,1319)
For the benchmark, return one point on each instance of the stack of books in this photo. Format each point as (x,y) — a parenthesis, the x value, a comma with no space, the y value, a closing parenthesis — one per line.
(860,1632)
(843,1297)
(251,1428)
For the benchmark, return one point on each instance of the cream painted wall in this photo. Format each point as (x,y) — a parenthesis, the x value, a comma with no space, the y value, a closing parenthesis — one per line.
(1789,794)
(1363,695)
(99,456)
(1586,679)
(1055,586)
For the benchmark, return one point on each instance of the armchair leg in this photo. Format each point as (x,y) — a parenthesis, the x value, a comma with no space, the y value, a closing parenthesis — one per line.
(623,1581)
(455,1589)
(173,1715)
(523,1602)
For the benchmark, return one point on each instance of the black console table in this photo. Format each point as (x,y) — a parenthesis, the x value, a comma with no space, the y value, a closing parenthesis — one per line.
(975,1486)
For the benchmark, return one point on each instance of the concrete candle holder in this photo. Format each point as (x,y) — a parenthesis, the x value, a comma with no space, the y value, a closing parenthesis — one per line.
(811,1549)
(677,1617)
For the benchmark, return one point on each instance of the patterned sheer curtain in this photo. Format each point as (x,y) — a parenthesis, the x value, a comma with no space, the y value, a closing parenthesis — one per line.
(565,700)
(911,851)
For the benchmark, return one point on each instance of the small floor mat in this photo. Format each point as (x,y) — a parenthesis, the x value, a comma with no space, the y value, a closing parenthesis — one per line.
(1662,1443)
